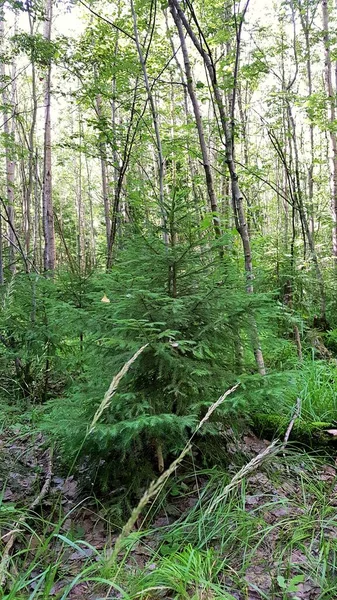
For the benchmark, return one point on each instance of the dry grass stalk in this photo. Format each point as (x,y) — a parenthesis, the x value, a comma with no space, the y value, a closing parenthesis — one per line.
(154,489)
(156,486)
(214,407)
(253,464)
(272,449)
(113,387)
(18,525)
(296,414)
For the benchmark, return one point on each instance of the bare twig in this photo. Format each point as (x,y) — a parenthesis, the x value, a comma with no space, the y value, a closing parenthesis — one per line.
(46,485)
(18,245)
(111,23)
(23,255)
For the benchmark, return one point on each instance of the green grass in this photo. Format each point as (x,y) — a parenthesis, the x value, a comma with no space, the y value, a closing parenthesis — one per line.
(203,555)
(315,383)
(318,392)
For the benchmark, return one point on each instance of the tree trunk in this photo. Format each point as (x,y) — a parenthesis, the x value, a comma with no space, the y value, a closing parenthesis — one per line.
(49,257)
(37,234)
(197,193)
(104,176)
(206,163)
(303,215)
(160,156)
(29,188)
(91,214)
(80,203)
(9,131)
(332,117)
(237,197)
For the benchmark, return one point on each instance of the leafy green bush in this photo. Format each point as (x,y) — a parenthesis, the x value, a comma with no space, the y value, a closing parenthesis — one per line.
(38,328)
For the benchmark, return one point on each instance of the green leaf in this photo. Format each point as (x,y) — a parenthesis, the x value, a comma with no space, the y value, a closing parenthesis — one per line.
(281,582)
(294,582)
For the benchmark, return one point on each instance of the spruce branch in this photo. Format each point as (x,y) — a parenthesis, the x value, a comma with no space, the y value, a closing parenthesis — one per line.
(156,486)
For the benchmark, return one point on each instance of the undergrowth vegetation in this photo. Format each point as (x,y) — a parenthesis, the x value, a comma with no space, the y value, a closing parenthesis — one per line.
(275,535)
(63,340)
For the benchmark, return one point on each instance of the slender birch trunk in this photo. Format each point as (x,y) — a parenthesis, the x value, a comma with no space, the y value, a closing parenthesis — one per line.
(188,119)
(9,103)
(114,115)
(47,199)
(104,177)
(91,214)
(332,117)
(160,155)
(206,163)
(80,206)
(37,233)
(29,188)
(304,218)
(305,27)
(237,197)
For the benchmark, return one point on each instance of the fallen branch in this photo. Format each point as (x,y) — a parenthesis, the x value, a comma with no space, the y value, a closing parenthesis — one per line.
(18,525)
(291,424)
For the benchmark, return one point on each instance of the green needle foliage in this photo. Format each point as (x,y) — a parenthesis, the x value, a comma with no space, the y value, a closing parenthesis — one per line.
(65,339)
(185,366)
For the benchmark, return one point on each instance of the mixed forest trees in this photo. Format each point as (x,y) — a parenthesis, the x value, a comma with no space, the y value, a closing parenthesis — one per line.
(169,178)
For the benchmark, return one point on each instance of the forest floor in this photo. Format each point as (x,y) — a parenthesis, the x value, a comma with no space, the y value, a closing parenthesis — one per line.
(274,537)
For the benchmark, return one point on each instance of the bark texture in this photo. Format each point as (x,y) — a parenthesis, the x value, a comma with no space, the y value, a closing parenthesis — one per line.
(49,255)
(332,117)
